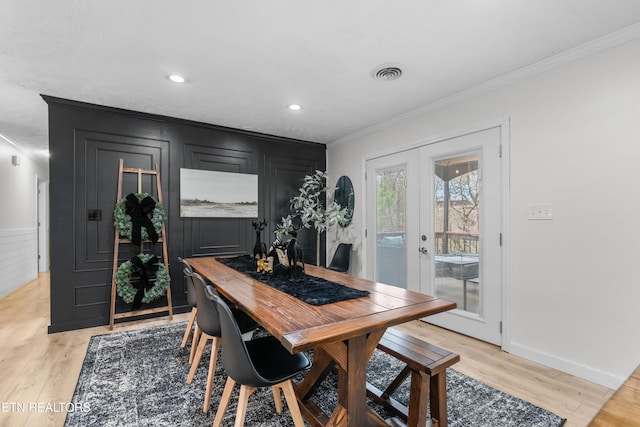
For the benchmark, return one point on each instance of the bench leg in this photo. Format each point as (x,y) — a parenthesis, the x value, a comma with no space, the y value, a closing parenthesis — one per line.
(418,399)
(438,399)
(397,382)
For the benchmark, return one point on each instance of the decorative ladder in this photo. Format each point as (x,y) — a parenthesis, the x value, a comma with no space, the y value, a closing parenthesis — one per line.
(118,240)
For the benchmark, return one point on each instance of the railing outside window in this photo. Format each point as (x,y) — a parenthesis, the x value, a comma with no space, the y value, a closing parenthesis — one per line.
(456,242)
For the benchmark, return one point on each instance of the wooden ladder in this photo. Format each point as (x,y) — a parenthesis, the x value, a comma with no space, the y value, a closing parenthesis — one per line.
(118,240)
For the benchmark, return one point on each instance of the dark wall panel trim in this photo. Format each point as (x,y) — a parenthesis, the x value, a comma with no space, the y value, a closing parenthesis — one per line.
(86,142)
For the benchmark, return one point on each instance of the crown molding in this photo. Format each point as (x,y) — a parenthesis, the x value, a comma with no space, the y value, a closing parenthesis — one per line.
(27,153)
(592,47)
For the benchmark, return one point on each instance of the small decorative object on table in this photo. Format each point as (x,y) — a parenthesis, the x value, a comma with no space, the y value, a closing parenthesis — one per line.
(278,252)
(265,266)
(259,248)
(295,256)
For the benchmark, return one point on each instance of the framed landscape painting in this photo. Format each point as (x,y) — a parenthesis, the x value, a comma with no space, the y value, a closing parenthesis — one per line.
(213,194)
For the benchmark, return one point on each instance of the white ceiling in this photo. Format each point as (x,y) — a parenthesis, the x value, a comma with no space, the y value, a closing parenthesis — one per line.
(246,60)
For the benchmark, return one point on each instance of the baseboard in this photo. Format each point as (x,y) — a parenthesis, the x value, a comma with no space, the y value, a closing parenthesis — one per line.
(80,324)
(7,290)
(582,371)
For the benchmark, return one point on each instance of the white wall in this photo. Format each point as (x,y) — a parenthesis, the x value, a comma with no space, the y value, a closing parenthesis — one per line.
(573,292)
(18,218)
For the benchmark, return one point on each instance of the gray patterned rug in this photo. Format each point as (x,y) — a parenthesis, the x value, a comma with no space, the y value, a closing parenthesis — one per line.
(138,378)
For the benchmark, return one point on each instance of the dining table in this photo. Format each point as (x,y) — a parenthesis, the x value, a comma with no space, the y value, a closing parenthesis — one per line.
(343,335)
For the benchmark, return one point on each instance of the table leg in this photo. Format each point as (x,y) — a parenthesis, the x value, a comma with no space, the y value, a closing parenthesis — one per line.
(354,397)
(352,382)
(351,357)
(322,364)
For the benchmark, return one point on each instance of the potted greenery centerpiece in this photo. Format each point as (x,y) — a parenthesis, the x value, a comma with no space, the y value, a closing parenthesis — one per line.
(314,207)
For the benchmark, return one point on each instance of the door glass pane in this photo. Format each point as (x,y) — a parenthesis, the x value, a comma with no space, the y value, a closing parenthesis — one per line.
(456,234)
(390,226)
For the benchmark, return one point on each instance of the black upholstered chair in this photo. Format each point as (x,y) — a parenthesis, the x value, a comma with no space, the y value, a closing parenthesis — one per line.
(191,299)
(261,362)
(208,322)
(341,258)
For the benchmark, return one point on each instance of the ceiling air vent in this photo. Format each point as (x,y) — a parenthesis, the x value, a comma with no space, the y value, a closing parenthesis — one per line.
(386,72)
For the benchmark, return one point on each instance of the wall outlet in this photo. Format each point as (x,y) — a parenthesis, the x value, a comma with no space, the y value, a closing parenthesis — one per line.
(540,211)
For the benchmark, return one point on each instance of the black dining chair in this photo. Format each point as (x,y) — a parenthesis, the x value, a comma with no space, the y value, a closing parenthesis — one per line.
(341,258)
(208,322)
(261,362)
(191,300)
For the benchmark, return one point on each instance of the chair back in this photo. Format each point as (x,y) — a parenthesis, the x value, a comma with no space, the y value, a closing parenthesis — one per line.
(185,264)
(191,291)
(235,356)
(207,315)
(341,258)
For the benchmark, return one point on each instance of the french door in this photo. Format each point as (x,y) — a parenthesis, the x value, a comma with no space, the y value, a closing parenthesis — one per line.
(434,224)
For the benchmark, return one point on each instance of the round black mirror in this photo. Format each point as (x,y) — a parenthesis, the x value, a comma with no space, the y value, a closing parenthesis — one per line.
(345,198)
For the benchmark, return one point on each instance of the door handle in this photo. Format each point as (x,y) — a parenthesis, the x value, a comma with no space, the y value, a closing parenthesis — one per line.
(424,250)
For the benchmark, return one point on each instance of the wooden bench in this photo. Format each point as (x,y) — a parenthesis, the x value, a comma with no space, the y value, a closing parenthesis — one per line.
(427,365)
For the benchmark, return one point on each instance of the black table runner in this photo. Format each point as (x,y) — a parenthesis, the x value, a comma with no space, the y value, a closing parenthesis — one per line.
(310,289)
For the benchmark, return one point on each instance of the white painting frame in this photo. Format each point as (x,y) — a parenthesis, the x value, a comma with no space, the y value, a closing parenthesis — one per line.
(215,194)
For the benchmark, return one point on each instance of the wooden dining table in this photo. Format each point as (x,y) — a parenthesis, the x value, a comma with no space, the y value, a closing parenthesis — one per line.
(342,334)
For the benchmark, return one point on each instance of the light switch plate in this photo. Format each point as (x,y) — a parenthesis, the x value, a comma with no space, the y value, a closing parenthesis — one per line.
(538,211)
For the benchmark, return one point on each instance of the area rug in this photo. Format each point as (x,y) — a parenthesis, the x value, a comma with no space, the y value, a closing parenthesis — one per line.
(137,378)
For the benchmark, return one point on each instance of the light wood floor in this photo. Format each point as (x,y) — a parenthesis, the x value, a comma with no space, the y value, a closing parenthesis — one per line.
(37,368)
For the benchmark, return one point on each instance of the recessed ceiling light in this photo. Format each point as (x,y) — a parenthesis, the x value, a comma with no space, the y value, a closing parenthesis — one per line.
(176,78)
(295,107)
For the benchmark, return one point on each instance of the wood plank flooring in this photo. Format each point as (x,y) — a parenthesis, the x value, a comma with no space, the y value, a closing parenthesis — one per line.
(41,369)
(623,409)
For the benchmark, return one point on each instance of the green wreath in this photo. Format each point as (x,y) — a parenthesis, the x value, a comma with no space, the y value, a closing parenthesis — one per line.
(127,291)
(123,223)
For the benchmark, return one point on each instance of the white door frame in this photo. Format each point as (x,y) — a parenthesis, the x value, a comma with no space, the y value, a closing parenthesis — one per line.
(43,225)
(484,324)
(505,133)
(408,160)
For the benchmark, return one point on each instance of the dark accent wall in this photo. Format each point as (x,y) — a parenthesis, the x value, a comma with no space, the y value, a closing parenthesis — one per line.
(86,142)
